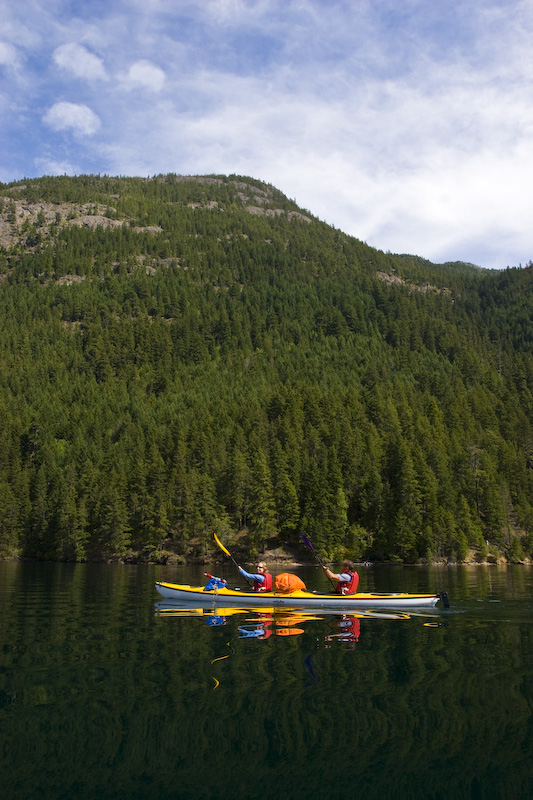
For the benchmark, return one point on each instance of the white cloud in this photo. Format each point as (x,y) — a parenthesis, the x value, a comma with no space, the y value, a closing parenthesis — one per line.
(81,63)
(146,75)
(49,166)
(8,55)
(78,118)
(238,12)
(397,165)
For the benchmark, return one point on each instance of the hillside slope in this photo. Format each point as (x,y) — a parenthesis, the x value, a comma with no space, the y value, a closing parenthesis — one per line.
(188,356)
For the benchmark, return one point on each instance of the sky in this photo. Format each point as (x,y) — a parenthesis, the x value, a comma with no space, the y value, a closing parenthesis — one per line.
(405,123)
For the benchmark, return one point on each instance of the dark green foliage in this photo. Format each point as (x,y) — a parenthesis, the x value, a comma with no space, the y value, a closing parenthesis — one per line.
(180,357)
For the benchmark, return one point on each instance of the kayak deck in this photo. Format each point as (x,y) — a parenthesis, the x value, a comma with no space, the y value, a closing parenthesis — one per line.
(296,599)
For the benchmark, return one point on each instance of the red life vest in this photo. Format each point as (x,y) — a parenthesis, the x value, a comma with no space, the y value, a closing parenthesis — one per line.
(266,586)
(348,588)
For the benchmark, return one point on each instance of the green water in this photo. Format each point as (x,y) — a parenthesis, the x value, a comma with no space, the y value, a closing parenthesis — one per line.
(105,695)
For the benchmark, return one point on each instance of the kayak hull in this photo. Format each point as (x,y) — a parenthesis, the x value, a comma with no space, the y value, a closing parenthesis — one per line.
(298,599)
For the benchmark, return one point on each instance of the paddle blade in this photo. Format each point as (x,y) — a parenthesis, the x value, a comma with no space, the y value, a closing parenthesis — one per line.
(217,540)
(307,543)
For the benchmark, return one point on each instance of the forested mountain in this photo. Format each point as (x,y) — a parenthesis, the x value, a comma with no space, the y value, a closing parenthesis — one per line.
(183,356)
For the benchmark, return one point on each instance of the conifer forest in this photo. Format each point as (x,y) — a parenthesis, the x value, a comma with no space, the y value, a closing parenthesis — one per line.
(189,356)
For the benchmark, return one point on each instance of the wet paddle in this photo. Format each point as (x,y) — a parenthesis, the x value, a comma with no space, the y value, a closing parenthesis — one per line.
(310,547)
(227,552)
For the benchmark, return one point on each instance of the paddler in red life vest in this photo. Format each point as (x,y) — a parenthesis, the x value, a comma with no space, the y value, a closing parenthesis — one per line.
(262,579)
(347,580)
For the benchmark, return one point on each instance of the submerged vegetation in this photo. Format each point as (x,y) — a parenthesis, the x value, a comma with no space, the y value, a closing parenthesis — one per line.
(188,356)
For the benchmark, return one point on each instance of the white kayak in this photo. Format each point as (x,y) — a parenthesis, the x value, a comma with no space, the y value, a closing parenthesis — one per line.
(297,599)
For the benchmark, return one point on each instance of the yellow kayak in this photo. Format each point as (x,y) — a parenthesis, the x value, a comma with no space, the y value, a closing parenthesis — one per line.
(202,597)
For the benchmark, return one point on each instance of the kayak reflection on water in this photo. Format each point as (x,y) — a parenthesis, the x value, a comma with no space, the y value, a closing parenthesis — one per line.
(282,623)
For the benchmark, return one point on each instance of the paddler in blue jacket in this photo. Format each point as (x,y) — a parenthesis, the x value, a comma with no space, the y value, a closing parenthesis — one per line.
(262,579)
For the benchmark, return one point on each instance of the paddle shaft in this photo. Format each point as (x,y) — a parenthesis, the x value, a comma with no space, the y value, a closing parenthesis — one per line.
(309,546)
(227,552)
(330,580)
(246,579)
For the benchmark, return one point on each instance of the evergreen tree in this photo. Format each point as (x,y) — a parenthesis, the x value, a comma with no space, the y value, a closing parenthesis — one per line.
(262,515)
(112,532)
(286,496)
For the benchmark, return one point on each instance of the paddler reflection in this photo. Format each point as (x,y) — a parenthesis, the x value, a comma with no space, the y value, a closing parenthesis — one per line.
(267,625)
(349,631)
(261,630)
(254,632)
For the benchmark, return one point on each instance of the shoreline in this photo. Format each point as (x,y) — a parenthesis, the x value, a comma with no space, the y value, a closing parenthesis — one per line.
(272,560)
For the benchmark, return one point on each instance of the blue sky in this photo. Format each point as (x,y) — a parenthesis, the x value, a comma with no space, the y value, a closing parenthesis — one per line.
(406,123)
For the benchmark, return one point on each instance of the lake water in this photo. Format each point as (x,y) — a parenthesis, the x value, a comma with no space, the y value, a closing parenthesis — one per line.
(104,694)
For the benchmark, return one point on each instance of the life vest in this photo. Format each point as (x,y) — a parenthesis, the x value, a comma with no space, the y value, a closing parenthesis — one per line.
(266,586)
(348,588)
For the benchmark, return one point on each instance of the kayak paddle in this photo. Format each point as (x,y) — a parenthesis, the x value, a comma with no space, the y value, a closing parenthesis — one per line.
(227,552)
(310,547)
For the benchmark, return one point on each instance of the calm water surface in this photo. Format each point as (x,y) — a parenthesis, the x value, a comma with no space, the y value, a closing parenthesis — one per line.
(107,693)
